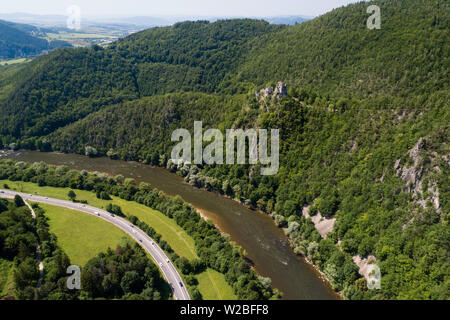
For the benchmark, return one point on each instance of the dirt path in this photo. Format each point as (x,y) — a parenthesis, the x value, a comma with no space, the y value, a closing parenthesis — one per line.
(38,252)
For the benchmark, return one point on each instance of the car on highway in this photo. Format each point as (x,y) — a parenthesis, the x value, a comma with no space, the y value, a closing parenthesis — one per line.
(140,240)
(181,284)
(168,261)
(160,264)
(2,191)
(97,213)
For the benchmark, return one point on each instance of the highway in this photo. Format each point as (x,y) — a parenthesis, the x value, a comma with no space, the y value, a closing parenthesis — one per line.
(162,261)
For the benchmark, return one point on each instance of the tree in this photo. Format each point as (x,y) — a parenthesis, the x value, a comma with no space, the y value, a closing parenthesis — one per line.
(90,151)
(131,282)
(3,205)
(103,195)
(114,209)
(18,201)
(129,182)
(184,265)
(112,154)
(119,179)
(72,195)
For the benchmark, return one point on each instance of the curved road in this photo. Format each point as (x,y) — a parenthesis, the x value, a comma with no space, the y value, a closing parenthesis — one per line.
(162,261)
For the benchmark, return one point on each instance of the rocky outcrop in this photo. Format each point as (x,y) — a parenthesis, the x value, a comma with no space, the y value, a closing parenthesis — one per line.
(264,93)
(280,91)
(365,265)
(323,225)
(413,176)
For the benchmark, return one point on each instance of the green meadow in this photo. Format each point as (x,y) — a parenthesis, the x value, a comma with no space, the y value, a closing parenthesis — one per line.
(83,236)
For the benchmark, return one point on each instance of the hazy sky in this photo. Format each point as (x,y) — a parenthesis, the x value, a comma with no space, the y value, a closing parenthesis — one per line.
(176,7)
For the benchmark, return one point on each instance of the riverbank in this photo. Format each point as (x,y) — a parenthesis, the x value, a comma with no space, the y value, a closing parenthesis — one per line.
(319,272)
(267,246)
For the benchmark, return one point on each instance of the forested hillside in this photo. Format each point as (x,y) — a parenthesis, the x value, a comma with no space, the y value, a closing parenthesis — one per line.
(21,40)
(67,85)
(364,127)
(337,55)
(333,55)
(141,129)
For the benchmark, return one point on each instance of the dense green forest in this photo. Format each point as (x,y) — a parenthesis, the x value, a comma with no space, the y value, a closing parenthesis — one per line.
(68,84)
(19,233)
(334,54)
(123,273)
(364,128)
(141,129)
(21,40)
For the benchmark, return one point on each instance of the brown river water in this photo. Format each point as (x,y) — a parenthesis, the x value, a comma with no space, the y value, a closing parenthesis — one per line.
(266,245)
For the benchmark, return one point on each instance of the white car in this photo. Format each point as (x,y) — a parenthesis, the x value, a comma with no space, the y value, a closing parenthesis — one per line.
(97,213)
(168,261)
(160,264)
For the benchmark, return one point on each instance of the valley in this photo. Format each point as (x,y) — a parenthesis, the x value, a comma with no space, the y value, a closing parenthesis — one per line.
(266,246)
(357,206)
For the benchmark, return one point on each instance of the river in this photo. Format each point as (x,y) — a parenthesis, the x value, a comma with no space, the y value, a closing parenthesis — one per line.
(266,245)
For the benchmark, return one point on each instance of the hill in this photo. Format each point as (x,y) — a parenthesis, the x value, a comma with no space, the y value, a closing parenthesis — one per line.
(336,54)
(67,85)
(364,128)
(333,55)
(21,40)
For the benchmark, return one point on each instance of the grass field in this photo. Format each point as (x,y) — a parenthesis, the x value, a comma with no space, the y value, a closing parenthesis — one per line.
(212,286)
(14,61)
(178,239)
(80,235)
(75,35)
(6,278)
(78,39)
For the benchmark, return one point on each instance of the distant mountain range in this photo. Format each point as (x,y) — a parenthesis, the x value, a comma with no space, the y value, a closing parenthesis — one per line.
(147,21)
